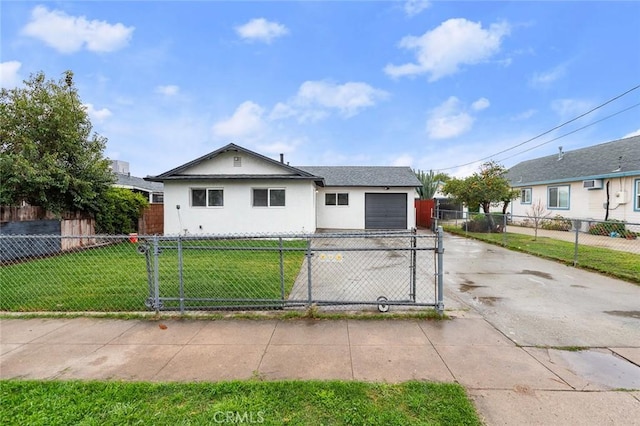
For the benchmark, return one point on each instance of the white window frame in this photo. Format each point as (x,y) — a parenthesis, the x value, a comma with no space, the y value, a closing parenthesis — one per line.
(524,199)
(337,199)
(207,199)
(269,197)
(636,206)
(559,188)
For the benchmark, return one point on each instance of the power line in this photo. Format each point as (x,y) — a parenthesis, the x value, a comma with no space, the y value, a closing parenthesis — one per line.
(571,132)
(548,131)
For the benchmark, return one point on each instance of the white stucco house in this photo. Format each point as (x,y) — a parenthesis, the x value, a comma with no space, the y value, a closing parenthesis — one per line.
(583,184)
(234,190)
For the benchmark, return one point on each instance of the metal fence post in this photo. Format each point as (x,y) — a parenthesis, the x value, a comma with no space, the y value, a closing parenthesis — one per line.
(504,230)
(180,275)
(440,278)
(156,275)
(575,249)
(309,254)
(280,247)
(413,266)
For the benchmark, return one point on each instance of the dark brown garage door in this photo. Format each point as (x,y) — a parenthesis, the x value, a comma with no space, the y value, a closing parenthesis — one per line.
(385,211)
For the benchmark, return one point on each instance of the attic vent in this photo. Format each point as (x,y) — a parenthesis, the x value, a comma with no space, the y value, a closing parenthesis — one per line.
(592,184)
(237,161)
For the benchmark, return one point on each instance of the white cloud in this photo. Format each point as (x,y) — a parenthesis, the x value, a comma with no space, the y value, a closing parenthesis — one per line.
(628,135)
(315,100)
(441,51)
(69,34)
(260,29)
(480,104)
(169,90)
(282,111)
(403,160)
(570,108)
(9,74)
(524,115)
(544,79)
(97,114)
(448,120)
(414,7)
(246,120)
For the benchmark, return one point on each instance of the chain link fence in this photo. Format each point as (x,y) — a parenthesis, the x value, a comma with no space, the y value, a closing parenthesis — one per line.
(583,242)
(129,273)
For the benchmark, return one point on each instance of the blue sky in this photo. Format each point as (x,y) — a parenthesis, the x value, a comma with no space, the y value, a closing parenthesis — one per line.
(431,85)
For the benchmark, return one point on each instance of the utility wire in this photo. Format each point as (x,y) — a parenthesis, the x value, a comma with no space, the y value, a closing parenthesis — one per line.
(546,132)
(570,133)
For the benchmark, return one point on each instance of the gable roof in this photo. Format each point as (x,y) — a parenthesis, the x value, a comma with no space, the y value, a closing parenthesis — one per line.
(178,172)
(607,160)
(365,175)
(133,182)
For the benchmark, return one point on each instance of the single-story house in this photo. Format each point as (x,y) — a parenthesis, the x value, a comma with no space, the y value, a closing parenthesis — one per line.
(584,183)
(152,191)
(234,190)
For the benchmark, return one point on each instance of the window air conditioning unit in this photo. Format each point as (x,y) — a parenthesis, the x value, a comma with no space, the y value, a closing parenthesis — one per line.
(592,184)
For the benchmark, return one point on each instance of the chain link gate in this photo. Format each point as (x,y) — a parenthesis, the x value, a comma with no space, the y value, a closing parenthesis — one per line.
(379,269)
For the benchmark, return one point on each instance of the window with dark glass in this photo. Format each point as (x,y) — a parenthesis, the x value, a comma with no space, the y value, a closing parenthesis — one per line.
(336,199)
(207,197)
(268,197)
(558,197)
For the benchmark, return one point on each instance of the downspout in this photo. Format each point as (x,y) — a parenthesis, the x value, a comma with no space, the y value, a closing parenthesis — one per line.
(606,204)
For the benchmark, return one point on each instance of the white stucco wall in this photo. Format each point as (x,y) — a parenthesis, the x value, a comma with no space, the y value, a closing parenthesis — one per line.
(588,203)
(352,216)
(238,215)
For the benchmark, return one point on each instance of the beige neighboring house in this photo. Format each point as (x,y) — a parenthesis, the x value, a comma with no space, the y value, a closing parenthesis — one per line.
(583,184)
(233,190)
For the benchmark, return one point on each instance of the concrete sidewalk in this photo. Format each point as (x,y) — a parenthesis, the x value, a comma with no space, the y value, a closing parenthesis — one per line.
(508,384)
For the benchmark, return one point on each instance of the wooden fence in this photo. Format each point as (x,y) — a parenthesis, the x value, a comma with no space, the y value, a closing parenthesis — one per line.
(424,212)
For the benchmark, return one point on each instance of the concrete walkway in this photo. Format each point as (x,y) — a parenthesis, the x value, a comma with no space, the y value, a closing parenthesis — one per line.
(509,384)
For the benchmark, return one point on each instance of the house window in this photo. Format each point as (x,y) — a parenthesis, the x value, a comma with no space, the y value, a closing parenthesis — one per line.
(637,205)
(525,196)
(336,199)
(268,197)
(558,197)
(207,197)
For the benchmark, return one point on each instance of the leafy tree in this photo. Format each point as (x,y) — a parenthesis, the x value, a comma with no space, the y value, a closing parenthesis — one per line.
(49,156)
(119,211)
(485,188)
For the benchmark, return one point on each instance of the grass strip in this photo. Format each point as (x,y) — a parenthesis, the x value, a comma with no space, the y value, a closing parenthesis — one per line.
(614,263)
(263,402)
(114,278)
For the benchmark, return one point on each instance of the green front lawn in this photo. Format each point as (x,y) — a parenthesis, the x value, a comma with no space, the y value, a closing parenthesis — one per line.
(249,402)
(114,278)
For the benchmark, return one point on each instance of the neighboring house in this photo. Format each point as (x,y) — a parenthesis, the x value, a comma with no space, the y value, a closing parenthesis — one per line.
(235,190)
(584,183)
(152,191)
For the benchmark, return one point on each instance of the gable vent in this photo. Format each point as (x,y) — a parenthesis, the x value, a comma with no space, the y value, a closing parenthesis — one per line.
(237,161)
(592,184)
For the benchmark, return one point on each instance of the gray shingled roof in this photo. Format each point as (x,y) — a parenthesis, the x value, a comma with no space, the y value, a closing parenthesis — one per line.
(606,160)
(138,183)
(364,175)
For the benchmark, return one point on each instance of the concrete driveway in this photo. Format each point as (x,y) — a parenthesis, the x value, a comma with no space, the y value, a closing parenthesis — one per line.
(536,302)
(549,310)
